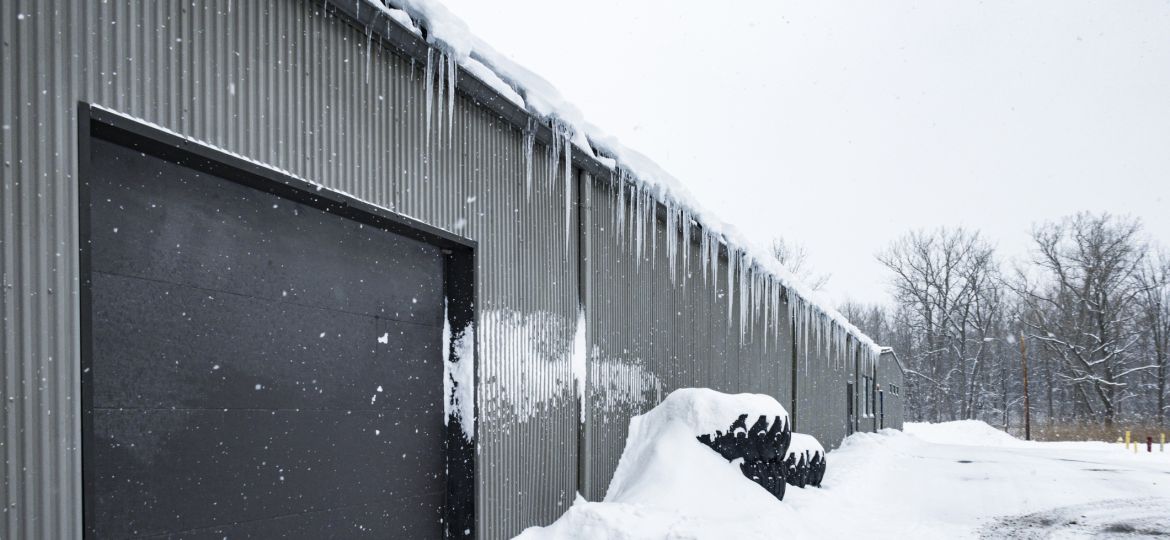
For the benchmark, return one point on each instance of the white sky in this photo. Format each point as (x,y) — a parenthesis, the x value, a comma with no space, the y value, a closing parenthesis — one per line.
(843,124)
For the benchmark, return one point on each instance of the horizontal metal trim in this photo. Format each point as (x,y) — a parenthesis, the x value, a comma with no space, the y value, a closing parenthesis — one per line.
(107,124)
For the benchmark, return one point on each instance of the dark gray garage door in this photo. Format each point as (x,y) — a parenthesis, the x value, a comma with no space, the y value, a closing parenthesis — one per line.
(260,368)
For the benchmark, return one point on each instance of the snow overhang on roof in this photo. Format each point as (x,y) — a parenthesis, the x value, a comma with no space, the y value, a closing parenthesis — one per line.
(428,32)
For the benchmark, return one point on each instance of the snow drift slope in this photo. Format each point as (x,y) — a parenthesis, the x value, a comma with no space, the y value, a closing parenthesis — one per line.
(966,432)
(961,481)
(669,485)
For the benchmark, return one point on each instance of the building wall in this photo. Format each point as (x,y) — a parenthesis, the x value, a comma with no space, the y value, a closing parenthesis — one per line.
(890,375)
(298,87)
(823,368)
(650,335)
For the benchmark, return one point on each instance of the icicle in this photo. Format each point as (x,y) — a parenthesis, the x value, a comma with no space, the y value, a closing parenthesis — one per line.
(671,240)
(429,91)
(554,155)
(568,188)
(632,222)
(779,299)
(621,207)
(637,196)
(765,294)
(732,260)
(452,73)
(529,144)
(714,245)
(612,200)
(704,247)
(744,267)
(442,79)
(369,45)
(652,226)
(686,240)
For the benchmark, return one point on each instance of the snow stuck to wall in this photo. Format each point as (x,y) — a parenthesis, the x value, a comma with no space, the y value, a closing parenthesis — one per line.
(542,378)
(459,377)
(666,477)
(580,361)
(637,178)
(618,385)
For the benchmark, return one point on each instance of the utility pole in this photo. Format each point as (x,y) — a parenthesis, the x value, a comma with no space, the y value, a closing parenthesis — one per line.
(1027,405)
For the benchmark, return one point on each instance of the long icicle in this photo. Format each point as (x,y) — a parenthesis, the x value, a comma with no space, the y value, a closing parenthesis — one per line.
(671,240)
(452,73)
(652,226)
(638,228)
(568,188)
(731,262)
(442,79)
(529,144)
(686,241)
(621,208)
(429,92)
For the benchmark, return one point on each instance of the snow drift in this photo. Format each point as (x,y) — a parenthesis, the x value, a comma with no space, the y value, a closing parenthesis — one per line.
(667,481)
(962,432)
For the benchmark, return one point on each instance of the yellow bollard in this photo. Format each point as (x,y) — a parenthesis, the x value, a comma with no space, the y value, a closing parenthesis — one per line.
(1127,440)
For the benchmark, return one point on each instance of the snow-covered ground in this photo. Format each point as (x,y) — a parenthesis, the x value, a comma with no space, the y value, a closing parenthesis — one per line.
(950,480)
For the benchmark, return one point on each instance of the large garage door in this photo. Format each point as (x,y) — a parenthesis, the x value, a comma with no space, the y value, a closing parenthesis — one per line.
(260,367)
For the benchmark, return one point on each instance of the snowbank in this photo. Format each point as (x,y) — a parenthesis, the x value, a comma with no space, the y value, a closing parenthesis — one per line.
(962,432)
(663,463)
(897,485)
(668,484)
(805,445)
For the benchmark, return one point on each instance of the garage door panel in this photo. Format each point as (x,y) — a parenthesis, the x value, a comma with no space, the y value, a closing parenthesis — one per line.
(165,222)
(165,345)
(371,521)
(256,367)
(177,470)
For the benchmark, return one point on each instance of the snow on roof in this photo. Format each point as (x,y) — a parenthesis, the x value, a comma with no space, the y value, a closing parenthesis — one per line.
(449,34)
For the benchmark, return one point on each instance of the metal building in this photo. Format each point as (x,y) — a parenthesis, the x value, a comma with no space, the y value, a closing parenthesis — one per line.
(246,256)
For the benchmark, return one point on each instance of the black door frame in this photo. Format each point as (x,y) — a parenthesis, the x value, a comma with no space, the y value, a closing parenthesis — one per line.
(850,408)
(459,281)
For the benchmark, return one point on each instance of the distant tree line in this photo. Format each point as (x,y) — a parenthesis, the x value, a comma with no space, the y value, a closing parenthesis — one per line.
(1090,302)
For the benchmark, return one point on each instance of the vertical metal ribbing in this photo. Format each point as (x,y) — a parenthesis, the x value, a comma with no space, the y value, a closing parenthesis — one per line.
(286,84)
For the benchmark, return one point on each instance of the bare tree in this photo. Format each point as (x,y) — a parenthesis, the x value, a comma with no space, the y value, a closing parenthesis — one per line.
(1082,306)
(1154,305)
(794,257)
(946,285)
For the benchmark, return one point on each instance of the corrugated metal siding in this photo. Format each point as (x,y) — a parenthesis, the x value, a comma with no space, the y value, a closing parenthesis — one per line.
(41,473)
(649,336)
(822,373)
(283,83)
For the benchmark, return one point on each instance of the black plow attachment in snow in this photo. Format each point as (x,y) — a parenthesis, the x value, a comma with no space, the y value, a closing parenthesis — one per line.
(762,447)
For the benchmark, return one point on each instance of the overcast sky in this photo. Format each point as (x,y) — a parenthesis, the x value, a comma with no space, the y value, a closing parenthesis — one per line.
(843,125)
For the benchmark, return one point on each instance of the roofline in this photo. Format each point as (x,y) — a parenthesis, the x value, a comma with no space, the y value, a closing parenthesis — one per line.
(412,45)
(898,361)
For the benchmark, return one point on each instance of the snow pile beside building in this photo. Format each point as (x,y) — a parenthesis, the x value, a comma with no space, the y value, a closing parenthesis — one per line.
(805,445)
(896,485)
(668,484)
(962,432)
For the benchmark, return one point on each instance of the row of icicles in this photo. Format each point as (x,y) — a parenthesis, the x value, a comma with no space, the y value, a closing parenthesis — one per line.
(634,209)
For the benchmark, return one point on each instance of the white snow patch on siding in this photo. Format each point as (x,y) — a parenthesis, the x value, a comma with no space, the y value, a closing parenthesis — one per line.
(534,371)
(459,377)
